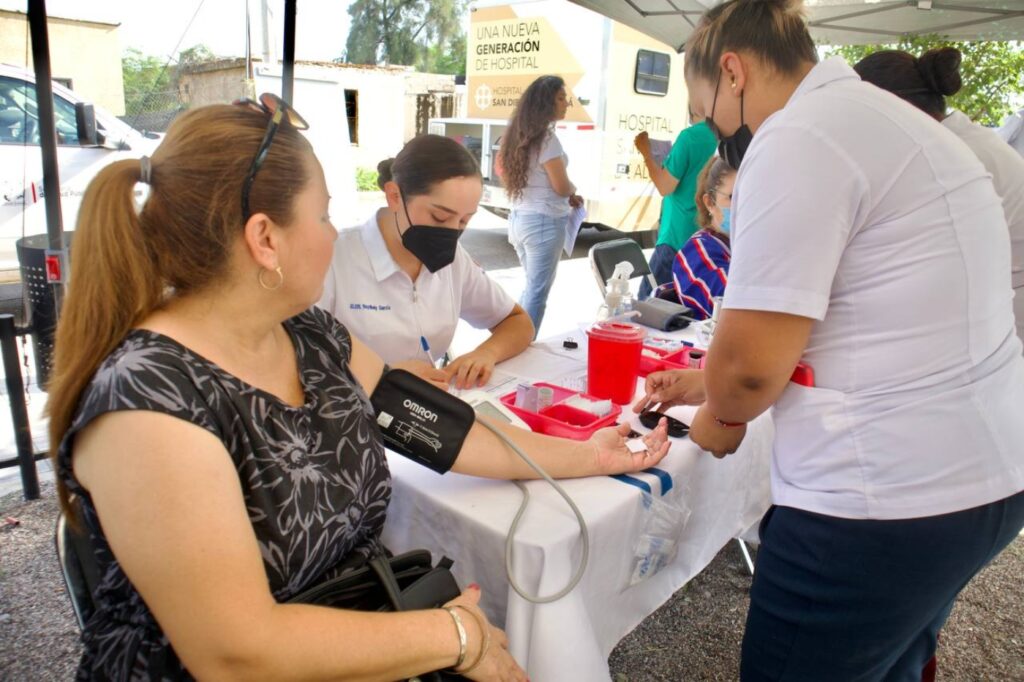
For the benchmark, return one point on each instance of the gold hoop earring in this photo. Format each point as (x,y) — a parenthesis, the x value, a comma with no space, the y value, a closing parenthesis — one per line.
(280,279)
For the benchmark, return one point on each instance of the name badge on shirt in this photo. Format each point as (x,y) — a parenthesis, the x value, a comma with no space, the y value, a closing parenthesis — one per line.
(368,306)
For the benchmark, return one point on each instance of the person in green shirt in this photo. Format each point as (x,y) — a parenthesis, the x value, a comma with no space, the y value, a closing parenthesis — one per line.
(676,181)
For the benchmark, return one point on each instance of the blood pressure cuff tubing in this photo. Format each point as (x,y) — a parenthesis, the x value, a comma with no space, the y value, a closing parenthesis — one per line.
(419,420)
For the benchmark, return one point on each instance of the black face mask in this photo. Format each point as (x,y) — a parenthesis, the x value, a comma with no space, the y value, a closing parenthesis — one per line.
(733,147)
(433,245)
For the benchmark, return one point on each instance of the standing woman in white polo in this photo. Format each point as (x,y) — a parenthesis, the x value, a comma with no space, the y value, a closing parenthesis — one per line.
(875,249)
(401,278)
(925,82)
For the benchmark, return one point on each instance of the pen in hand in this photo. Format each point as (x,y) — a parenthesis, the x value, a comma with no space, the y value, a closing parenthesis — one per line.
(426,349)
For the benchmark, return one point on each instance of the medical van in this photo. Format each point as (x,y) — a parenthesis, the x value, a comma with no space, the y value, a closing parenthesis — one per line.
(619,81)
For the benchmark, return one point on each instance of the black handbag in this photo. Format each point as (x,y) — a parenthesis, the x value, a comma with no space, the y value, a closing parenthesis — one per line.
(406,582)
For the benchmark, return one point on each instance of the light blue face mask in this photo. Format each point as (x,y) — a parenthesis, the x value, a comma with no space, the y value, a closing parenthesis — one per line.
(726,215)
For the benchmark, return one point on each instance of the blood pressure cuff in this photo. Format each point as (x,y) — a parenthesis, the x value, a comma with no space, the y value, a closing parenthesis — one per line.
(419,420)
(664,315)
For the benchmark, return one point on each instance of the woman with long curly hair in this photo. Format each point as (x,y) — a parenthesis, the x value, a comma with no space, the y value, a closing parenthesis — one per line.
(534,171)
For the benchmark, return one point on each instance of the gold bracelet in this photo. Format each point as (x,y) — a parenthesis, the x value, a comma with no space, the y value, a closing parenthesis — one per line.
(485,645)
(460,629)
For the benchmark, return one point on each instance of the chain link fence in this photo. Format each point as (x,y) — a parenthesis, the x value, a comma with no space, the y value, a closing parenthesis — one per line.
(203,84)
(154,111)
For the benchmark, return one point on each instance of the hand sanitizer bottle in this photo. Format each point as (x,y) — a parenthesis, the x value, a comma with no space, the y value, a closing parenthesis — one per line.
(618,300)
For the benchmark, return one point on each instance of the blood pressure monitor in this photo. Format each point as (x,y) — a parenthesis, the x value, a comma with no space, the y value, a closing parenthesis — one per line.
(492,408)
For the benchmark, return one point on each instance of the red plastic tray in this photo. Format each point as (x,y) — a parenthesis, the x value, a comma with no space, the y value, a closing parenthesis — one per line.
(678,359)
(803,374)
(560,420)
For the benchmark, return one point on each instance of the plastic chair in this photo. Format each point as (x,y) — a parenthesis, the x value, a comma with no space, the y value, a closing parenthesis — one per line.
(78,566)
(604,256)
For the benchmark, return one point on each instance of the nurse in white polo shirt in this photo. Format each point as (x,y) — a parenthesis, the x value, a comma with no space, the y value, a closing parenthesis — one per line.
(875,249)
(401,282)
(925,82)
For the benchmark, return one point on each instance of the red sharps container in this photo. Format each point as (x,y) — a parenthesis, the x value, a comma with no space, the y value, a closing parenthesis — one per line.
(613,360)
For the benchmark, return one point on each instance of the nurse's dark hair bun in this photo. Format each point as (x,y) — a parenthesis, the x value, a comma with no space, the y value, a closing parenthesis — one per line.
(940,69)
(384,172)
(924,81)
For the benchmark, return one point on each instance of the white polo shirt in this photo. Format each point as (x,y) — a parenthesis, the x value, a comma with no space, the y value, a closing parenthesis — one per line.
(1012,131)
(382,307)
(863,213)
(1007,169)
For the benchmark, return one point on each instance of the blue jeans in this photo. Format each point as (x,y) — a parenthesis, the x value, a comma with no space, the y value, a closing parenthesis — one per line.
(538,239)
(859,600)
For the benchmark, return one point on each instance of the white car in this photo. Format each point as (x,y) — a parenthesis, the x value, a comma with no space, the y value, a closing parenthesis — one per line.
(22,210)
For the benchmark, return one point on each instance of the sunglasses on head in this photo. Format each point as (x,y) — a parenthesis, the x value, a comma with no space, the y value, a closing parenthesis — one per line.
(278,110)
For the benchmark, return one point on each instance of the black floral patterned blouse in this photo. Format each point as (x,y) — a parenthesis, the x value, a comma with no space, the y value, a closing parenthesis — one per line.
(314,477)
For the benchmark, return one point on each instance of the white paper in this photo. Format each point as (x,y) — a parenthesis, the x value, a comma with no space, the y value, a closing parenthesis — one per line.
(660,150)
(636,445)
(500,383)
(572,228)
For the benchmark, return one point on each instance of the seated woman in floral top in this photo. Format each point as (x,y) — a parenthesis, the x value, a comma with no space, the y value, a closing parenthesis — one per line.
(213,434)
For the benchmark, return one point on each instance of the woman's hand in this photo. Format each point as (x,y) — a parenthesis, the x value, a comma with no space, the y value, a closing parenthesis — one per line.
(472,369)
(671,388)
(613,457)
(426,371)
(497,663)
(711,436)
(575,200)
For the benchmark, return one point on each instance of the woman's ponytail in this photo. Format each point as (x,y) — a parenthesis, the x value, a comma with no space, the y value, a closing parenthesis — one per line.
(114,284)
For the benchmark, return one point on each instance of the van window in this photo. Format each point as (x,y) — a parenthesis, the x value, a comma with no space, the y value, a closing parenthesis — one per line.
(19,115)
(652,73)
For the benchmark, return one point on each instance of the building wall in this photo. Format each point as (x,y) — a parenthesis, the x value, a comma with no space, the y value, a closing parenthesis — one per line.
(381,126)
(417,84)
(87,53)
(213,87)
(386,100)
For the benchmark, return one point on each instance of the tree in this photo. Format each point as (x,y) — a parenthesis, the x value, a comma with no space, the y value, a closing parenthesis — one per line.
(144,76)
(992,71)
(197,54)
(447,59)
(426,34)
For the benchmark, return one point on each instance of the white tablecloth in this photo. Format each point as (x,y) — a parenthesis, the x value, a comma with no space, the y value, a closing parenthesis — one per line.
(467,519)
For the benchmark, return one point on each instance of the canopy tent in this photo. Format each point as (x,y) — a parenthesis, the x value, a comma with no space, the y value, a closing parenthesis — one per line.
(837,22)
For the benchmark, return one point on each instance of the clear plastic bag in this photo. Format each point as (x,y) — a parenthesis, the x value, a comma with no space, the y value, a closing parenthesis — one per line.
(658,543)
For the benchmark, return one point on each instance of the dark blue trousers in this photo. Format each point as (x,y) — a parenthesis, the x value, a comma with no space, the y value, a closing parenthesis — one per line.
(661,268)
(842,600)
